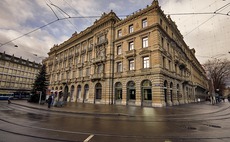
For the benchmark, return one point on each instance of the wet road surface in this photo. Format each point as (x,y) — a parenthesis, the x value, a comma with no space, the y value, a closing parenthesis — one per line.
(188,123)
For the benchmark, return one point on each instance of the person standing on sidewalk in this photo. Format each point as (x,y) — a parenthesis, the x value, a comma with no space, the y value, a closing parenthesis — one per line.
(49,101)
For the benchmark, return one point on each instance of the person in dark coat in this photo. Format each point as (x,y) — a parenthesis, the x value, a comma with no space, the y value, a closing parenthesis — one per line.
(49,101)
(9,102)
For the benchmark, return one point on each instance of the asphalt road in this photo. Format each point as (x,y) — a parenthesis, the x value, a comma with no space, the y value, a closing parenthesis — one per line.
(18,123)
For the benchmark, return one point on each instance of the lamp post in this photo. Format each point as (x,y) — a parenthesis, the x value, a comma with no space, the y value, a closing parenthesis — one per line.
(40,97)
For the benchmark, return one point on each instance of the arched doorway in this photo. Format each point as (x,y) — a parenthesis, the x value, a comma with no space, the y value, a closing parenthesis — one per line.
(171,92)
(131,93)
(78,92)
(71,94)
(66,90)
(146,93)
(165,91)
(98,92)
(86,93)
(186,94)
(56,93)
(118,92)
(60,94)
(178,93)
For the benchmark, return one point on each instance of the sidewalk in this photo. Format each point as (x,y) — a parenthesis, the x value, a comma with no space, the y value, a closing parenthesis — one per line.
(119,110)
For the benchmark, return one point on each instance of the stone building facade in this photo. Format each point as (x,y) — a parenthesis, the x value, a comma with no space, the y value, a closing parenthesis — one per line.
(141,60)
(16,74)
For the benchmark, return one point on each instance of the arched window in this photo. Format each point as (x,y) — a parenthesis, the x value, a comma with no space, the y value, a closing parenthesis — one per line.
(146,88)
(98,91)
(65,93)
(86,92)
(171,91)
(118,91)
(165,91)
(71,93)
(79,91)
(178,92)
(131,91)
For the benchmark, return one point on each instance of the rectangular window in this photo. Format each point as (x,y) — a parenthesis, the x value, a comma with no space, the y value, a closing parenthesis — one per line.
(146,62)
(169,65)
(87,71)
(119,67)
(101,39)
(82,59)
(131,45)
(168,47)
(80,73)
(76,61)
(131,28)
(162,42)
(67,75)
(89,57)
(119,33)
(144,23)
(161,22)
(119,50)
(62,76)
(131,64)
(145,42)
(163,62)
(176,68)
(100,69)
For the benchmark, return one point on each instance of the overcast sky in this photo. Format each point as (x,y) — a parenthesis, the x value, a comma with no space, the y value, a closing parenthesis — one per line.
(209,34)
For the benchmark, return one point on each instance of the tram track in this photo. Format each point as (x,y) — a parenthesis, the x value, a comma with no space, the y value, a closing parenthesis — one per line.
(223,115)
(112,136)
(220,114)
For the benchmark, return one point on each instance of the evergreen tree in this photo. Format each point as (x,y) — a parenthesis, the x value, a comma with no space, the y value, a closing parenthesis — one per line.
(40,85)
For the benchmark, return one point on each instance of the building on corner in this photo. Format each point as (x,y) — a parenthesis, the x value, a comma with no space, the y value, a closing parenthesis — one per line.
(141,60)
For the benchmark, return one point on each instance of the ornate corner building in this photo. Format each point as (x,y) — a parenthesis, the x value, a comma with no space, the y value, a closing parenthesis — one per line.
(141,60)
(17,75)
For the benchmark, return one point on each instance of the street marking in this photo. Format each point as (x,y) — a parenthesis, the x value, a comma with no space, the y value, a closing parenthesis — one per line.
(90,137)
(5,108)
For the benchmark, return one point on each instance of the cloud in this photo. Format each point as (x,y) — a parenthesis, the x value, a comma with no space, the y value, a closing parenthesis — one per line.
(114,6)
(20,17)
(13,13)
(208,34)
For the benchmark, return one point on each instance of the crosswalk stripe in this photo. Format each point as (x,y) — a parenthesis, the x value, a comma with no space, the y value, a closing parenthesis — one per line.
(90,137)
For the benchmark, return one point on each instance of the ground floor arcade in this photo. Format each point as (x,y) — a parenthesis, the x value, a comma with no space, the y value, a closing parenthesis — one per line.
(152,91)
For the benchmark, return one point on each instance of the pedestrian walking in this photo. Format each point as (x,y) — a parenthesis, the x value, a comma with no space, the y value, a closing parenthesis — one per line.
(49,101)
(9,102)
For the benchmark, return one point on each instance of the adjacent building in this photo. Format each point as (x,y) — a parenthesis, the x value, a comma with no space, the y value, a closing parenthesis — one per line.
(141,60)
(17,75)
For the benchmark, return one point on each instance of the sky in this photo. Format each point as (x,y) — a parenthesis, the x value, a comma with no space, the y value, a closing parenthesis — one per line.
(208,34)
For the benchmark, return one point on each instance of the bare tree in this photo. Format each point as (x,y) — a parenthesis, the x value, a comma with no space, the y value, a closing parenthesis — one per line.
(218,71)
